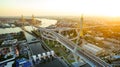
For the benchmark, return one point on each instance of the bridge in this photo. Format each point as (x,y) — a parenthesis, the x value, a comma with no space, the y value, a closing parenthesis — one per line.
(77,50)
(86,56)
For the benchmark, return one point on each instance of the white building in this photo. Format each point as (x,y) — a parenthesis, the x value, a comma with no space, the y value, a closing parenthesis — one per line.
(99,38)
(108,43)
(113,40)
(92,48)
(14,41)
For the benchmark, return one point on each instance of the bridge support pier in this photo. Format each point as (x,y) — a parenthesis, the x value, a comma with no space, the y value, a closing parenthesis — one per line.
(53,42)
(75,57)
(48,41)
(59,31)
(42,38)
(66,32)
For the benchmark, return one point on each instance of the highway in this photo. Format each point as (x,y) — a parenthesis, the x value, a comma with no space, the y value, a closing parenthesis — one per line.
(88,57)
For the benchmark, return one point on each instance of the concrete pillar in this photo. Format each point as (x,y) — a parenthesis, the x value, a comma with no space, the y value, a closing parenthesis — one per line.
(66,32)
(53,42)
(75,57)
(42,38)
(38,32)
(10,49)
(59,31)
(56,42)
(48,41)
(76,31)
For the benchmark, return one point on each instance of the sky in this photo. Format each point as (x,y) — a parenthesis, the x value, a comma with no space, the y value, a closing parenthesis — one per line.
(59,7)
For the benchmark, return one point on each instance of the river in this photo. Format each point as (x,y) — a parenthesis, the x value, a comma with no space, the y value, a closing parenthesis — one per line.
(44,23)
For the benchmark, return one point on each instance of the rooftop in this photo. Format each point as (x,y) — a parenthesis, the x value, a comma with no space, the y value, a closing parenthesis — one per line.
(56,62)
(116,57)
(9,42)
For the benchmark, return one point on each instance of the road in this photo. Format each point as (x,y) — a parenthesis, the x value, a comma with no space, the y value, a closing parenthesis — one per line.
(90,58)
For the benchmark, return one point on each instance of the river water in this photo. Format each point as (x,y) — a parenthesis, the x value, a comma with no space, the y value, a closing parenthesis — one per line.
(44,23)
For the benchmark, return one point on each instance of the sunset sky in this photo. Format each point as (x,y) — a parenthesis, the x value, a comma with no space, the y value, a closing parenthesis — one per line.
(59,7)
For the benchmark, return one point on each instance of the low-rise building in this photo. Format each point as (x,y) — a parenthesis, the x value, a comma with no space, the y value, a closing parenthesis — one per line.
(116,57)
(99,38)
(92,48)
(6,54)
(10,42)
(108,43)
(113,40)
(23,63)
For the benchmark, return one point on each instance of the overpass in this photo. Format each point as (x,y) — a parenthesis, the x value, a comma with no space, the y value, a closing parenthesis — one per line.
(86,56)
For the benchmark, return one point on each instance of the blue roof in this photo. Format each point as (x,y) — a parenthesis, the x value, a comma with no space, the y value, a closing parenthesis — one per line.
(27,64)
(23,60)
(76,64)
(116,56)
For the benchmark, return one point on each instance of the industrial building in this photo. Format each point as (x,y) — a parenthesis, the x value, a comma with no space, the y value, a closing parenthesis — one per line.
(10,42)
(92,48)
(45,57)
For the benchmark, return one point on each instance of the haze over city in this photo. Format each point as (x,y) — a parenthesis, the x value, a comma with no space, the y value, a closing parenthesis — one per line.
(59,33)
(59,7)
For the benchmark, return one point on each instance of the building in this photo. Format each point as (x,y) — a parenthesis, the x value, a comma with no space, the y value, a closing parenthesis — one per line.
(115,61)
(23,63)
(99,38)
(92,48)
(113,40)
(116,57)
(108,43)
(9,42)
(9,64)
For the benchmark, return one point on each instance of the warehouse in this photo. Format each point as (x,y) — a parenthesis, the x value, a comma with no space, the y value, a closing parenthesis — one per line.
(92,48)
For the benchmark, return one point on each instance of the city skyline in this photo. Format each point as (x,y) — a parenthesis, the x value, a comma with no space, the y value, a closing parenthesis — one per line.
(59,7)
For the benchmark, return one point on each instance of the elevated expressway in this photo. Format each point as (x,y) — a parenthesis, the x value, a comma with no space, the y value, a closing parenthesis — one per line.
(86,56)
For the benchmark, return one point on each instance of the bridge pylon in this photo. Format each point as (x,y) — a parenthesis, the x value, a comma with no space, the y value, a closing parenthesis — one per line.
(79,39)
(33,20)
(22,20)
